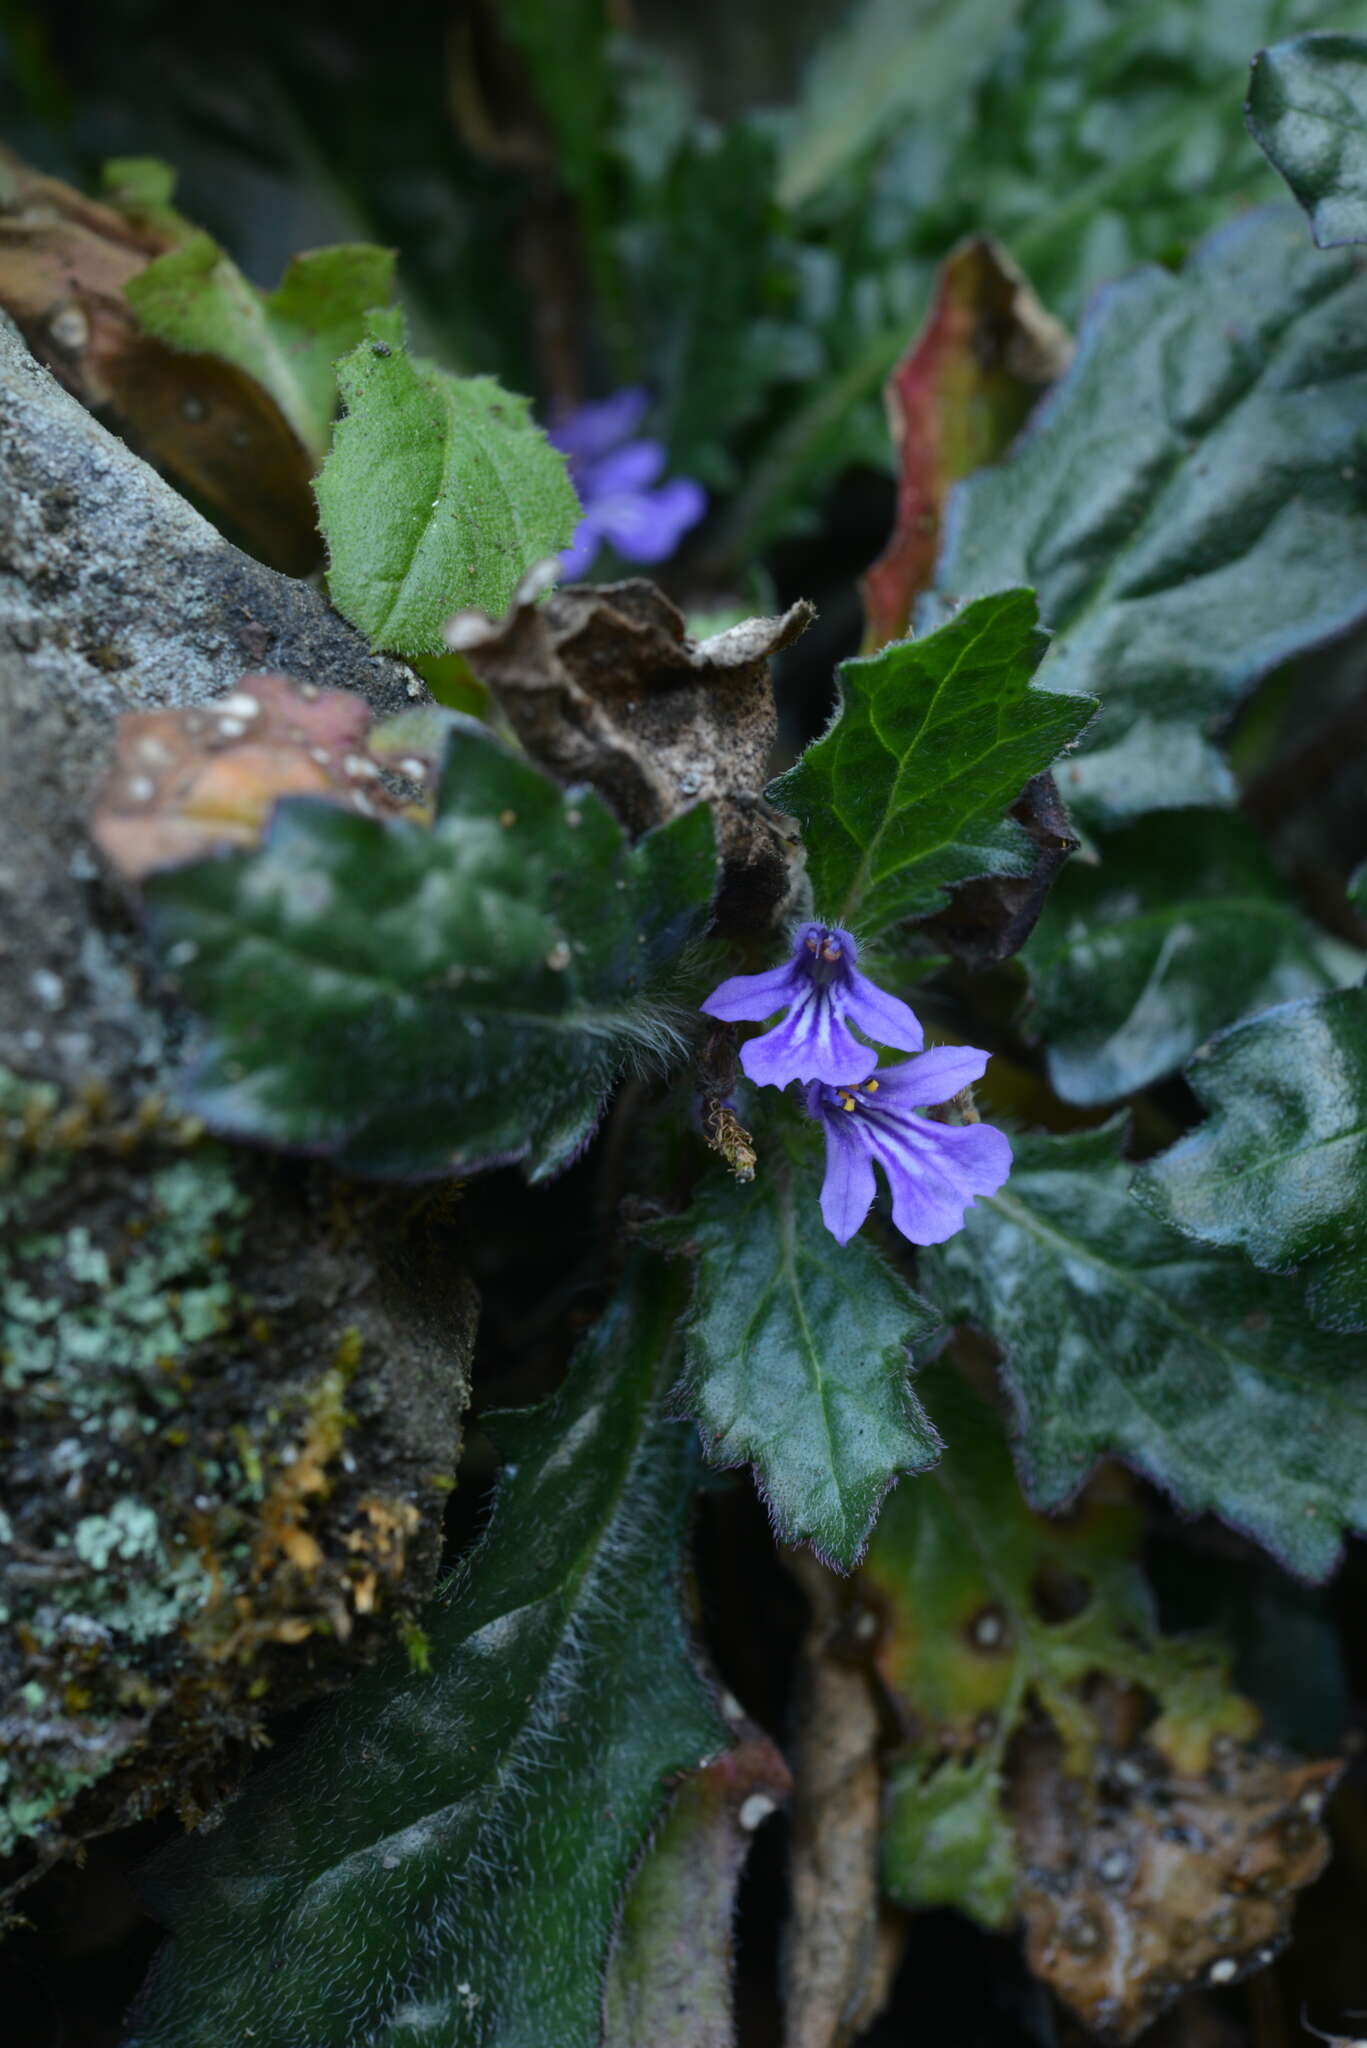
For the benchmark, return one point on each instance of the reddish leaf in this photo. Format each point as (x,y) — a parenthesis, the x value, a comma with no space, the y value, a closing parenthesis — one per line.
(194,780)
(65,262)
(955,402)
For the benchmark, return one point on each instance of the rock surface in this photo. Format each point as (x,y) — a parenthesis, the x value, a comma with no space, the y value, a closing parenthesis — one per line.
(230,1389)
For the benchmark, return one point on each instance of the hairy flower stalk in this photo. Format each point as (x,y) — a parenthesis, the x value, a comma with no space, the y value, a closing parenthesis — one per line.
(934,1171)
(823,993)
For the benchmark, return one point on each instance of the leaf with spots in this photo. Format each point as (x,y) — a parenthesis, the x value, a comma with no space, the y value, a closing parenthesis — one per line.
(421,999)
(798,1352)
(905,794)
(442,1856)
(197,779)
(1307,107)
(440,493)
(1120,1335)
(1187,503)
(1051,1728)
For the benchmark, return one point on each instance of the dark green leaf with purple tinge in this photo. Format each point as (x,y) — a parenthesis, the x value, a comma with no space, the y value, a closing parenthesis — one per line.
(424,1000)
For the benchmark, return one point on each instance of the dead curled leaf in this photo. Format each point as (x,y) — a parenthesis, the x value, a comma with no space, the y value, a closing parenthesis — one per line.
(65,261)
(841,1947)
(192,781)
(1145,1878)
(602,684)
(989,919)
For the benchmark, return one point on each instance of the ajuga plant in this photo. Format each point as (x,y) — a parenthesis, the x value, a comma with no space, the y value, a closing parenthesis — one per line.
(905,1127)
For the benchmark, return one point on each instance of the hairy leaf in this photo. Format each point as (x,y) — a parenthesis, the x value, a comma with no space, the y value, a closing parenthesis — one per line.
(196,299)
(903,796)
(956,401)
(1279,1168)
(798,1352)
(1121,1335)
(1187,503)
(670,1976)
(427,1000)
(1020,1653)
(1307,107)
(441,1856)
(439,493)
(1182,926)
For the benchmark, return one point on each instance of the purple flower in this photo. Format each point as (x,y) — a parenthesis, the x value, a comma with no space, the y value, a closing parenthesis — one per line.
(617,479)
(934,1170)
(820,988)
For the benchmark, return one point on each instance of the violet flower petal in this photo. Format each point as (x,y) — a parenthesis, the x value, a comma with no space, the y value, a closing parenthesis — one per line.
(936,1076)
(591,430)
(750,998)
(883,1018)
(579,556)
(848,1189)
(936,1171)
(630,469)
(647,526)
(811,1044)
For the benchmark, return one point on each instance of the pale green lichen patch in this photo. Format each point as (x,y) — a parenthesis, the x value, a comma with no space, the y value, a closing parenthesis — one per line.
(181,1502)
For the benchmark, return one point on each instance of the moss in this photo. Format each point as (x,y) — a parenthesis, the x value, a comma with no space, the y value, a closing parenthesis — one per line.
(184,1508)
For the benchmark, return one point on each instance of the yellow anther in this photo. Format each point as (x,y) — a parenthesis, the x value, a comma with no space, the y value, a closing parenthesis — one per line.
(847,1102)
(872,1087)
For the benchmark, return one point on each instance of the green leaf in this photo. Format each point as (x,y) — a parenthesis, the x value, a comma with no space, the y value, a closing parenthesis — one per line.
(439,494)
(1307,107)
(888,62)
(426,1001)
(1182,926)
(1279,1168)
(441,1857)
(1090,143)
(798,1352)
(1122,1336)
(1188,505)
(991,1613)
(195,298)
(903,796)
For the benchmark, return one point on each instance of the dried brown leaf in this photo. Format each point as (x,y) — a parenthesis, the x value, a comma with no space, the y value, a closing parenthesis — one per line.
(670,1972)
(989,919)
(603,685)
(842,1946)
(1145,1878)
